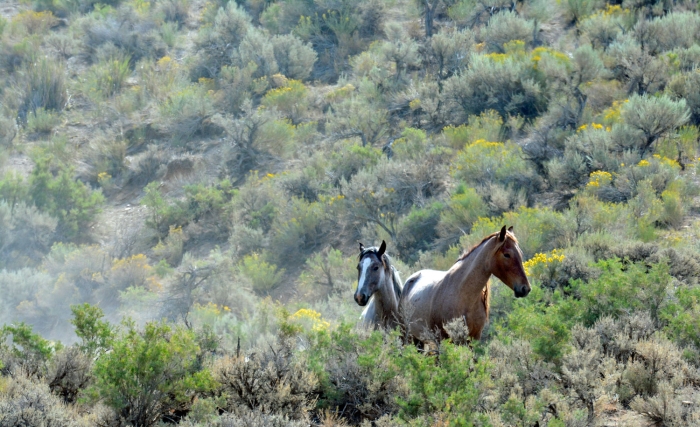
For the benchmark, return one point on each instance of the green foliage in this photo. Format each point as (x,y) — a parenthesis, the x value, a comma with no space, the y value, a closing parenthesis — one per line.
(450,386)
(492,83)
(96,335)
(505,27)
(108,77)
(21,347)
(464,208)
(417,231)
(42,121)
(161,359)
(290,99)
(45,88)
(263,276)
(73,203)
(651,118)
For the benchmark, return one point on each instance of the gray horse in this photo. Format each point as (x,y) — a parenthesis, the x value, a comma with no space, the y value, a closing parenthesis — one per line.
(378,288)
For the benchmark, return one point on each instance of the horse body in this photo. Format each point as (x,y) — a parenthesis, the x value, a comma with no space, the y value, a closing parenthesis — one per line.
(431,298)
(378,287)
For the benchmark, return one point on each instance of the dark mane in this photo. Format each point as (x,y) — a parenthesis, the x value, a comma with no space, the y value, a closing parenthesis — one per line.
(465,254)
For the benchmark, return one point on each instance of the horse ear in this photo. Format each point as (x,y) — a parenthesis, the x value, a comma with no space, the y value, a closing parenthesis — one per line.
(362,247)
(502,234)
(382,248)
(510,228)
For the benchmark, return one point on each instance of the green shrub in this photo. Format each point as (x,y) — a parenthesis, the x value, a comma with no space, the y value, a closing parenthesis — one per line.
(45,88)
(538,230)
(42,121)
(216,43)
(417,231)
(21,347)
(635,66)
(464,208)
(358,370)
(107,77)
(326,273)
(652,118)
(27,402)
(263,276)
(183,115)
(450,51)
(272,381)
(159,359)
(96,335)
(450,386)
(495,84)
(295,59)
(73,203)
(486,126)
(290,99)
(504,27)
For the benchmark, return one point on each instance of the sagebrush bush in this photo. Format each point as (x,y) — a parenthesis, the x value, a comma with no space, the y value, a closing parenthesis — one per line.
(29,403)
(295,59)
(494,84)
(271,381)
(504,27)
(69,374)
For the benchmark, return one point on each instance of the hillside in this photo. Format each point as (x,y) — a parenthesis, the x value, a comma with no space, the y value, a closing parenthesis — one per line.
(184,183)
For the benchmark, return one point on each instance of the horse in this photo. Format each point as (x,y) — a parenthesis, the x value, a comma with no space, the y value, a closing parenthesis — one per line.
(432,298)
(378,288)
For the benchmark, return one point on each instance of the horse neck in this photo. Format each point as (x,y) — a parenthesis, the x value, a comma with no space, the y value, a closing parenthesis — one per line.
(385,297)
(469,276)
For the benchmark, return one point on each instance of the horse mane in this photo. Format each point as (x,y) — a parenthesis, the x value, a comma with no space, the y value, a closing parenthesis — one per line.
(396,279)
(486,297)
(466,253)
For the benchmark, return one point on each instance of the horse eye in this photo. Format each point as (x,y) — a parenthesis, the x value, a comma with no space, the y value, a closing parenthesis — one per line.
(506,255)
(375,268)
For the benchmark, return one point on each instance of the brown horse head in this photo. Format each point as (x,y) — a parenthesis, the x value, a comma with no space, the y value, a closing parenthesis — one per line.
(372,269)
(508,265)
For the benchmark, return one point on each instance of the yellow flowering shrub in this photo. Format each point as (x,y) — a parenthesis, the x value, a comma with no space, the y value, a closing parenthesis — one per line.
(599,179)
(541,261)
(309,319)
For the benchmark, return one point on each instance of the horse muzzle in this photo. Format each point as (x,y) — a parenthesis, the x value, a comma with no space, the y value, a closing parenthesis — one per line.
(361,299)
(521,290)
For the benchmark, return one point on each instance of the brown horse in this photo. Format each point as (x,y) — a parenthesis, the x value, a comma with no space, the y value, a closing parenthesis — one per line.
(378,288)
(432,298)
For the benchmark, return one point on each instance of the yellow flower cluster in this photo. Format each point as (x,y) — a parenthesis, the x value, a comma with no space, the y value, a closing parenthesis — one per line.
(541,259)
(643,163)
(139,261)
(312,316)
(414,105)
(599,179)
(612,114)
(666,161)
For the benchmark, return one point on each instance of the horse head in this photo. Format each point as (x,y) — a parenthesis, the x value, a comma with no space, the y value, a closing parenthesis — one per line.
(509,263)
(372,269)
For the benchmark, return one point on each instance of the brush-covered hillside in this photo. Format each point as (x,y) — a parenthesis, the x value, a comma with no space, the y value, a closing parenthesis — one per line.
(184,183)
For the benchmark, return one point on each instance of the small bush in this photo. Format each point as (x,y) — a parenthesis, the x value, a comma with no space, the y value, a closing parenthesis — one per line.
(269,381)
(504,27)
(45,88)
(28,403)
(494,84)
(42,121)
(69,374)
(295,59)
(262,275)
(160,359)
